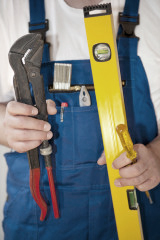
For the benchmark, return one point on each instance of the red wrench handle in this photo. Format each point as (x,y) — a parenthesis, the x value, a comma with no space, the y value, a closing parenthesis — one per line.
(53,192)
(35,190)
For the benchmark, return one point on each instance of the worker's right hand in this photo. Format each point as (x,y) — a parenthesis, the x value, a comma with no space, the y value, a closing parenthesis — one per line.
(23,132)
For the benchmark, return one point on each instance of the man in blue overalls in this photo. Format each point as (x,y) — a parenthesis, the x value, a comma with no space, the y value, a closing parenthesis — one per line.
(82,185)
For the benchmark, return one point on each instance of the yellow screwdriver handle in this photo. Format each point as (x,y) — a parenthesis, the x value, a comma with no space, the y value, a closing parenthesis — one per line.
(126,141)
(127,144)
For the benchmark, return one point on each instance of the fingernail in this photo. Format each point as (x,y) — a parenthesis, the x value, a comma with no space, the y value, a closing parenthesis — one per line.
(34,111)
(52,104)
(117,183)
(47,127)
(49,135)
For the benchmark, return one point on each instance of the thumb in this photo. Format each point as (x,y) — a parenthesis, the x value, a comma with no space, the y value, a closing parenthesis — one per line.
(51,107)
(102,159)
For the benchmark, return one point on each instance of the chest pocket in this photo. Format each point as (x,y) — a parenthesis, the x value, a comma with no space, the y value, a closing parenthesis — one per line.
(77,140)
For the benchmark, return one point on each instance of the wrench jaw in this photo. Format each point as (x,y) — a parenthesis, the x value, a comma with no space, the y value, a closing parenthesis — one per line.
(21,86)
(34,56)
(29,41)
(36,80)
(32,60)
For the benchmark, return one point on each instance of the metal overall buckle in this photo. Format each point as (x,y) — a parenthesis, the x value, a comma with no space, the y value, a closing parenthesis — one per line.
(128,25)
(42,31)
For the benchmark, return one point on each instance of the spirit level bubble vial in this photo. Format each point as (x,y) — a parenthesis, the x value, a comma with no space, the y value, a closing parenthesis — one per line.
(102,52)
(108,88)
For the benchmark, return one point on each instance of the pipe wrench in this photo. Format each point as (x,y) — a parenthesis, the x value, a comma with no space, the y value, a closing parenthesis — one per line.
(25,57)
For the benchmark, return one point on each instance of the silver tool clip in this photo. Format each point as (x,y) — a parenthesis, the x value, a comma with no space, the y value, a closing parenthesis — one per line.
(62,76)
(84,97)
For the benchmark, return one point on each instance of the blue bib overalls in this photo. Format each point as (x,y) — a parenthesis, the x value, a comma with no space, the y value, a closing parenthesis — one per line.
(82,186)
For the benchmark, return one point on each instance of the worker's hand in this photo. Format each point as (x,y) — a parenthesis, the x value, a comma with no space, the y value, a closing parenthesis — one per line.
(144,174)
(23,132)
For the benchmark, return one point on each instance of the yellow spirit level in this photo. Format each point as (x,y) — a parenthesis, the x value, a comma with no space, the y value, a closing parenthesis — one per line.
(111,109)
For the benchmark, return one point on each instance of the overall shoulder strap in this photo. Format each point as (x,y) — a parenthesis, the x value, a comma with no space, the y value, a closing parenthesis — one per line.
(39,24)
(129,19)
(131,8)
(127,42)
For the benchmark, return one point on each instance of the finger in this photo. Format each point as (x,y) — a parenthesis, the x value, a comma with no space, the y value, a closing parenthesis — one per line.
(20,122)
(147,185)
(25,146)
(102,159)
(30,135)
(121,161)
(16,108)
(51,107)
(121,182)
(133,170)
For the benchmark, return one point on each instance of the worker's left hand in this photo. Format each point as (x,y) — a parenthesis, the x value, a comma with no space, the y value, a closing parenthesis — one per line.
(144,174)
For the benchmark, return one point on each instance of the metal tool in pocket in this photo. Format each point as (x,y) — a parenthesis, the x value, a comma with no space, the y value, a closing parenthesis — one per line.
(84,97)
(63,105)
(62,76)
(62,80)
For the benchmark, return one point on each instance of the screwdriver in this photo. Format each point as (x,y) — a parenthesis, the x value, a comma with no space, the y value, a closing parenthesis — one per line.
(63,105)
(128,147)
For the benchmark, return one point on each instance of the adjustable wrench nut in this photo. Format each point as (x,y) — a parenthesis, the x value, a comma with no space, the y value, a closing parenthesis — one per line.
(46,151)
